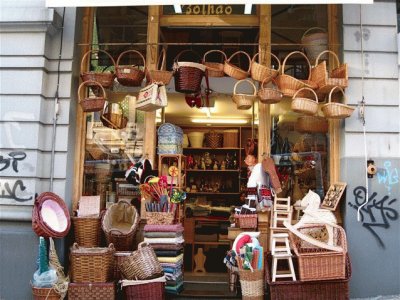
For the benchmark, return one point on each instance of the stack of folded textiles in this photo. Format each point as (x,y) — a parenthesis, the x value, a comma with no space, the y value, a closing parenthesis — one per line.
(167,242)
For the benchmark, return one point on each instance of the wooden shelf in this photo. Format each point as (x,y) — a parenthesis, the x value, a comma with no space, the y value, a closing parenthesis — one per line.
(211,193)
(200,170)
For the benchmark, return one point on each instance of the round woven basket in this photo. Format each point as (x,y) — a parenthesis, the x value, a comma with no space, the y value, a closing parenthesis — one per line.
(269,95)
(188,75)
(91,104)
(234,71)
(130,75)
(45,294)
(244,101)
(289,85)
(311,124)
(106,79)
(214,69)
(314,43)
(161,75)
(334,110)
(262,73)
(305,105)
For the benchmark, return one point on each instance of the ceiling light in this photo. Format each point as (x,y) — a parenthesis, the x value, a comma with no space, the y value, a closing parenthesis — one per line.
(220,121)
(247,9)
(178,9)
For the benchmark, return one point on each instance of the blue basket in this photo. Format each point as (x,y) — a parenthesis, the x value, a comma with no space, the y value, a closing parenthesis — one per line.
(170,139)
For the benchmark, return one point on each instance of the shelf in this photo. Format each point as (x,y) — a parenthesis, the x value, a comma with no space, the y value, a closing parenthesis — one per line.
(210,193)
(200,170)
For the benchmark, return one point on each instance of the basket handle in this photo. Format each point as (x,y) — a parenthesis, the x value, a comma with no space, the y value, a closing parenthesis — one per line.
(106,106)
(186,51)
(163,55)
(308,89)
(90,81)
(301,53)
(245,80)
(330,52)
(95,51)
(311,29)
(142,244)
(75,246)
(131,51)
(208,52)
(272,55)
(111,246)
(241,52)
(341,90)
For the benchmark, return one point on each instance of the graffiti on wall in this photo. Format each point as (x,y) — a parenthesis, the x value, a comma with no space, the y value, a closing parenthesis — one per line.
(378,213)
(388,176)
(11,188)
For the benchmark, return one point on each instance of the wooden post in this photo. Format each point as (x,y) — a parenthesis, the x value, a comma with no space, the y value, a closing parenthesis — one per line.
(264,117)
(153,33)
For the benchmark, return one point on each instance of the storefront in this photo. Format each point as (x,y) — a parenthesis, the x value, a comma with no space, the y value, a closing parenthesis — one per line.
(94,158)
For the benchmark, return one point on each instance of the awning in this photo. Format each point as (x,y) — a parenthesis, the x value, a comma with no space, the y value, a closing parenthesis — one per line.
(98,3)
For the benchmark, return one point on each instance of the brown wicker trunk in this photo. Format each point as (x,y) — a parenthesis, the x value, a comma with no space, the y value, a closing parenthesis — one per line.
(91,291)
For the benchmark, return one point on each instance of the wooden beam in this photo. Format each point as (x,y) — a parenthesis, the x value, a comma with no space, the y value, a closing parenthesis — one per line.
(80,133)
(334,125)
(264,110)
(153,33)
(213,20)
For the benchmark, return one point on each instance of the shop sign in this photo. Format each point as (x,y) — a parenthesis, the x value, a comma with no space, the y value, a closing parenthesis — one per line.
(209,9)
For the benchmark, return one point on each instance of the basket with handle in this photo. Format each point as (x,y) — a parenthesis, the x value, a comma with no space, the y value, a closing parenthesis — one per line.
(188,75)
(244,101)
(252,284)
(130,75)
(334,110)
(163,76)
(111,118)
(87,231)
(314,41)
(305,105)
(234,71)
(142,264)
(105,79)
(327,81)
(311,124)
(262,73)
(214,69)
(269,95)
(91,104)
(40,293)
(289,85)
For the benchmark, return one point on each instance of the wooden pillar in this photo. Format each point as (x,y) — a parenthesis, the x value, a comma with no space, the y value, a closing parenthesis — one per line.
(334,125)
(80,132)
(153,33)
(264,110)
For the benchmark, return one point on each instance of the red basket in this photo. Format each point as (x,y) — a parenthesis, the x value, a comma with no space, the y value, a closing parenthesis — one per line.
(145,291)
(188,75)
(246,221)
(130,75)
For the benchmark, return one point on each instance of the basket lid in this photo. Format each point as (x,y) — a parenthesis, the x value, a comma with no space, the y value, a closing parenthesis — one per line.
(168,128)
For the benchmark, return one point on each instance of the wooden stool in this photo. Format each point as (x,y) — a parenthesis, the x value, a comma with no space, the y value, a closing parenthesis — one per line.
(280,244)
(280,250)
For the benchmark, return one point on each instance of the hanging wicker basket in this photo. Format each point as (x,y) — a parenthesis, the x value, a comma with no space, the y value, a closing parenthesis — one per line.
(334,110)
(269,95)
(327,81)
(104,78)
(161,75)
(188,75)
(214,69)
(244,101)
(262,73)
(91,104)
(314,43)
(235,72)
(305,105)
(289,85)
(311,124)
(130,75)
(113,119)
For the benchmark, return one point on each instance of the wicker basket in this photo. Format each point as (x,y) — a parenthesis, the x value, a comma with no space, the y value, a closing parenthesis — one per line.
(231,138)
(246,221)
(314,43)
(91,104)
(311,124)
(91,264)
(119,257)
(305,105)
(327,81)
(334,110)
(317,263)
(113,120)
(262,73)
(289,85)
(130,75)
(188,75)
(161,75)
(213,139)
(87,231)
(234,71)
(45,294)
(269,95)
(160,218)
(252,284)
(145,290)
(142,264)
(50,201)
(214,69)
(105,79)
(244,101)
(91,291)
(120,223)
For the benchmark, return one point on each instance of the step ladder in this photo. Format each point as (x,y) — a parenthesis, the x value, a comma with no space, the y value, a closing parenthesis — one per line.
(280,251)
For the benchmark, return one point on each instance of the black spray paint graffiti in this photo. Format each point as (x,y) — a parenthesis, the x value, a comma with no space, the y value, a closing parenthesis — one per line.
(18,189)
(376,214)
